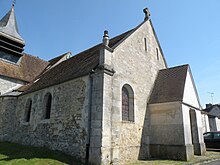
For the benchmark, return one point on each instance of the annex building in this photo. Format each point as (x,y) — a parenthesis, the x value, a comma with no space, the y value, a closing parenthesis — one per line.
(113,103)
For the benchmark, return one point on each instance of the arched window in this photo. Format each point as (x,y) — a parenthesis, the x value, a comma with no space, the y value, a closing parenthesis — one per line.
(28,110)
(48,103)
(127,103)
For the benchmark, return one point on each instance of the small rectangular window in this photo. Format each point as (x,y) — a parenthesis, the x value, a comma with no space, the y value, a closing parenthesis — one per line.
(145,44)
(28,110)
(157,51)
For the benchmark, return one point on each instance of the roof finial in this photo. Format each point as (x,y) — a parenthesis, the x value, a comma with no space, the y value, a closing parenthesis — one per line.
(147,14)
(105,40)
(13,3)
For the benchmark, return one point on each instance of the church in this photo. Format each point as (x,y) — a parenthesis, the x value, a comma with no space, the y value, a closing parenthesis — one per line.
(113,103)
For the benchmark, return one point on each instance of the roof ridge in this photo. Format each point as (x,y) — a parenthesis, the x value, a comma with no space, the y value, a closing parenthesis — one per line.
(85,51)
(36,57)
(119,38)
(175,67)
(59,56)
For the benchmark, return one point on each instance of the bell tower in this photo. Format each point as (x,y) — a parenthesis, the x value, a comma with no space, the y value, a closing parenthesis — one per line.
(11,43)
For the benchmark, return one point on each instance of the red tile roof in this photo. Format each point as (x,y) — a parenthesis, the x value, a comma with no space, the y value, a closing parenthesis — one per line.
(57,59)
(28,68)
(79,65)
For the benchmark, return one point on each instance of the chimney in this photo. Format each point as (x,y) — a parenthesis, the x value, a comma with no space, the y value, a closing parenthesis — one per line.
(208,105)
(147,14)
(105,40)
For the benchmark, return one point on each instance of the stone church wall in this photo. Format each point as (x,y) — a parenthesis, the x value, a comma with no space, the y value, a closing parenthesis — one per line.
(136,62)
(66,129)
(7,84)
(7,113)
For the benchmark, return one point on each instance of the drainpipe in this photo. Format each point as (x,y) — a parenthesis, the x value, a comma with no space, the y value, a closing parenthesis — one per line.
(89,115)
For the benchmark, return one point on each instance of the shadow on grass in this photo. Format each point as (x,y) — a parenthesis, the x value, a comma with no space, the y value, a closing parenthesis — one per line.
(12,151)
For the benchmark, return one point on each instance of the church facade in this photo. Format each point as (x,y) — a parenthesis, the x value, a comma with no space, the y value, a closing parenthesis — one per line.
(116,102)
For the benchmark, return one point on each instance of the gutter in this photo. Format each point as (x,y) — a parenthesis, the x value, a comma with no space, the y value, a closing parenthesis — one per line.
(191,106)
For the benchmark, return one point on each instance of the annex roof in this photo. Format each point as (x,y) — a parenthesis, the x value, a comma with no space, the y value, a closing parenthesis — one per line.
(169,85)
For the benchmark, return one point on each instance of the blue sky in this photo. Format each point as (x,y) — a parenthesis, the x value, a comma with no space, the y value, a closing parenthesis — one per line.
(188,30)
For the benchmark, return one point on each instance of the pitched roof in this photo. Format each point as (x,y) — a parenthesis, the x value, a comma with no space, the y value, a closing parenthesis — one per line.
(9,28)
(116,40)
(169,85)
(57,59)
(79,65)
(208,109)
(53,62)
(28,68)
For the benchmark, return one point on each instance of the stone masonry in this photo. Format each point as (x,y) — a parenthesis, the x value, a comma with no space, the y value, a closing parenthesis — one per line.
(123,141)
(99,102)
(66,130)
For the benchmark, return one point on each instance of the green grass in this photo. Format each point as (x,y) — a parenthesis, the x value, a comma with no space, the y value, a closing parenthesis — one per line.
(15,154)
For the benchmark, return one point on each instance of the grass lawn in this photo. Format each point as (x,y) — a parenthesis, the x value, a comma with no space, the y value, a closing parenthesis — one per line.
(13,154)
